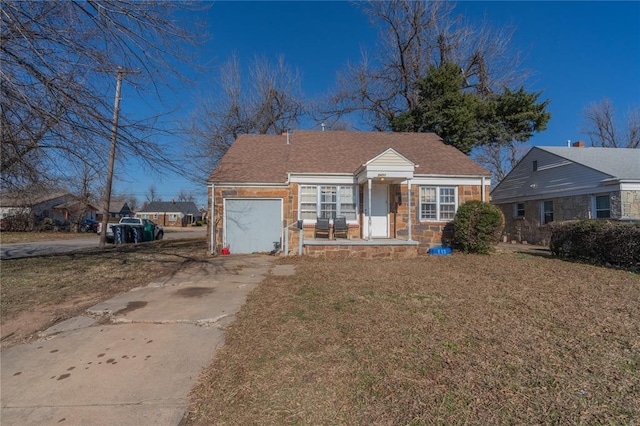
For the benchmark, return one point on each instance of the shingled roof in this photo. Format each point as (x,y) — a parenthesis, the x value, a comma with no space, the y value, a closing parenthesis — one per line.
(268,158)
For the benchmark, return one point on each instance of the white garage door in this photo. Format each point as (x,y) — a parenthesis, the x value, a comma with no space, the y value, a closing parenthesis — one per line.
(252,225)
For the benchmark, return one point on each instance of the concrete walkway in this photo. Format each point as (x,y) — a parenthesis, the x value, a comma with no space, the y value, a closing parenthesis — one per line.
(133,359)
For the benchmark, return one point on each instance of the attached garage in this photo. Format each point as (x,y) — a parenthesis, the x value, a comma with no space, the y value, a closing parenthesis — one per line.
(252,225)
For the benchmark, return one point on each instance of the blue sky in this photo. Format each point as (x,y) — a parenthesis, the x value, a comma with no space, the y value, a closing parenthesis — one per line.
(576,52)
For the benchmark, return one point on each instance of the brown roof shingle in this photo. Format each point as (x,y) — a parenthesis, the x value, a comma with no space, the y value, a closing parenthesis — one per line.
(268,158)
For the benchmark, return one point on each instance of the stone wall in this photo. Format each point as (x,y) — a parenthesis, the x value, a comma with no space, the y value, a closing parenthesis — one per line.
(630,203)
(528,228)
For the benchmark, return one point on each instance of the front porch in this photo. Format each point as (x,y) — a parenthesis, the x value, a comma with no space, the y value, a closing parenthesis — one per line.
(383,248)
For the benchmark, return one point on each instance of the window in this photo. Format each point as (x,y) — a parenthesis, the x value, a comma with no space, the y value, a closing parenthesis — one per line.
(535,165)
(155,216)
(547,212)
(327,201)
(518,210)
(603,206)
(437,203)
(173,217)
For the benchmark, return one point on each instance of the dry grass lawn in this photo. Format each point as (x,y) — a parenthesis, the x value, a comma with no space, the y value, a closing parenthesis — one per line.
(509,338)
(37,292)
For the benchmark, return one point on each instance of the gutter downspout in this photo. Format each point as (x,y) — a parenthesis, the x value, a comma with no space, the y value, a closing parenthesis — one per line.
(212,221)
(483,191)
(409,210)
(369,225)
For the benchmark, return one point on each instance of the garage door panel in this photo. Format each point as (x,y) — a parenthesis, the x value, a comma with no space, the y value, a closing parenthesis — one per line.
(252,225)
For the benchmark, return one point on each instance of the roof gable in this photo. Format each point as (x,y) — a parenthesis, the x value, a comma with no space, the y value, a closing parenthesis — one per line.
(559,171)
(269,158)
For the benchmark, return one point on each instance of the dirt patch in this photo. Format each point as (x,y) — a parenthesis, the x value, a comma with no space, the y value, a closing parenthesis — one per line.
(511,338)
(38,292)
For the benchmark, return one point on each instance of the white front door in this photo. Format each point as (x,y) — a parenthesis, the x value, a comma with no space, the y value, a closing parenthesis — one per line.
(379,212)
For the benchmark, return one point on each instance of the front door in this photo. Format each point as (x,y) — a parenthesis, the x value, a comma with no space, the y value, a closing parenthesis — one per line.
(379,212)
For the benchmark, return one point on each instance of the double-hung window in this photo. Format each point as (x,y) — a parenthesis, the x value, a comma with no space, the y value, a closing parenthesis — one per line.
(518,210)
(437,203)
(602,206)
(327,201)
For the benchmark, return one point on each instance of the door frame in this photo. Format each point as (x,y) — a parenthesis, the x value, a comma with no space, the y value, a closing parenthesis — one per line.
(378,203)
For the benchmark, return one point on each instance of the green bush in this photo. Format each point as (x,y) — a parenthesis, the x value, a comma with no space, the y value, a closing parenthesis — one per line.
(597,241)
(477,227)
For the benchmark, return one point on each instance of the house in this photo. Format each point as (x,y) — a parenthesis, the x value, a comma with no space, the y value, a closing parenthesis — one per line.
(397,191)
(30,209)
(553,184)
(171,213)
(37,205)
(117,210)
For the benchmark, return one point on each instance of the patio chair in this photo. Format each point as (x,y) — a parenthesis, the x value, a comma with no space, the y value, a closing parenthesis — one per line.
(340,227)
(322,228)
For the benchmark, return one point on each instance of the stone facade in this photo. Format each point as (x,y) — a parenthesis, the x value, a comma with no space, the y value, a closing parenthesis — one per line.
(428,234)
(528,228)
(630,204)
(361,251)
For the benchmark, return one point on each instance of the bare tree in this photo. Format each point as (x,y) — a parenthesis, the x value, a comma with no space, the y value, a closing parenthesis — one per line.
(499,159)
(603,131)
(58,75)
(186,196)
(412,36)
(269,101)
(152,195)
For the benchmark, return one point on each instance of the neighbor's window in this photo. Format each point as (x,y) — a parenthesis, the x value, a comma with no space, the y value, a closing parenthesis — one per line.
(327,201)
(603,206)
(155,216)
(437,203)
(173,217)
(518,210)
(547,212)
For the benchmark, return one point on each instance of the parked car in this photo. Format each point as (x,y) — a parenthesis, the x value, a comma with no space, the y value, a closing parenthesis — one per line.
(89,225)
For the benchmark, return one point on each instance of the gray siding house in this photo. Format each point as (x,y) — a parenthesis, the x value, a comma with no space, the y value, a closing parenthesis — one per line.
(553,184)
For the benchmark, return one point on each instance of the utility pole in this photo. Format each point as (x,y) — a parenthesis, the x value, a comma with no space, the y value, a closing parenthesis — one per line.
(112,155)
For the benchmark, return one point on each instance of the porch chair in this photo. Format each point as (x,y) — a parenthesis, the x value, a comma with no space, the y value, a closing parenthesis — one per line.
(340,227)
(322,228)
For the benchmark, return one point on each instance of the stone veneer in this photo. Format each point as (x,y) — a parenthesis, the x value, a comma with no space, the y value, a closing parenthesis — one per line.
(528,228)
(361,251)
(429,234)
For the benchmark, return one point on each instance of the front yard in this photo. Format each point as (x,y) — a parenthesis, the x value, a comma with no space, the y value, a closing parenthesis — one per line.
(510,338)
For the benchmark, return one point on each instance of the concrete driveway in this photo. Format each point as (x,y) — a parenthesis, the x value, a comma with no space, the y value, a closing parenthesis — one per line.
(133,359)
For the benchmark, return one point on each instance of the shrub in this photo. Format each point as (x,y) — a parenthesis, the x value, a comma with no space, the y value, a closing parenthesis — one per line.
(597,241)
(477,227)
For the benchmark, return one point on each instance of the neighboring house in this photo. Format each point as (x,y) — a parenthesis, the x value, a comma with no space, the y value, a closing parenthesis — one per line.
(394,189)
(35,205)
(553,184)
(75,210)
(117,210)
(171,213)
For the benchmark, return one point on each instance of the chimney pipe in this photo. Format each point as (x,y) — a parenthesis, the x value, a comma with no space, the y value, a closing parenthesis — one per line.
(579,144)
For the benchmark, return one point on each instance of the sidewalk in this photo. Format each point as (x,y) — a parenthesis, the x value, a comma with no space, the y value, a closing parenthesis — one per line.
(133,359)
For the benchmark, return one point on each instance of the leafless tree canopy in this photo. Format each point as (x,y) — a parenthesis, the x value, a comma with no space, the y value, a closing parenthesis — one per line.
(412,36)
(603,131)
(58,75)
(269,101)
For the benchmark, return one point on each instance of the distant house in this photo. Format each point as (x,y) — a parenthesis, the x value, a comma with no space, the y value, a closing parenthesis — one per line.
(117,210)
(36,205)
(32,208)
(553,184)
(397,192)
(171,213)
